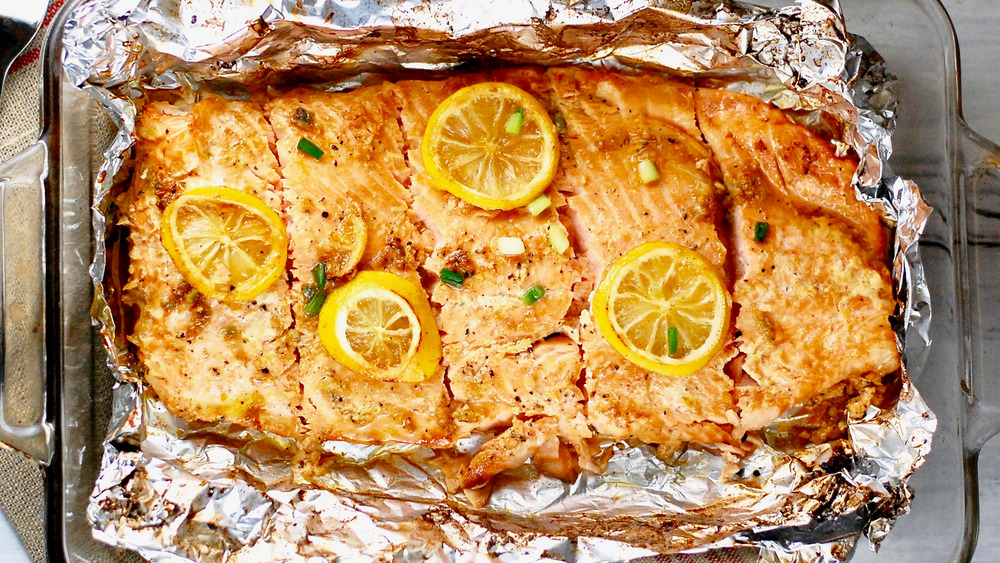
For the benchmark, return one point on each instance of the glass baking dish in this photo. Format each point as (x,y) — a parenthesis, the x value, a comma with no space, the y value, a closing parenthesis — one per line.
(56,390)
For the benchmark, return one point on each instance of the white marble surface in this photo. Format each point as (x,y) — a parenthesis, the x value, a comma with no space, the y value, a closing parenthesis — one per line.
(977,24)
(11,550)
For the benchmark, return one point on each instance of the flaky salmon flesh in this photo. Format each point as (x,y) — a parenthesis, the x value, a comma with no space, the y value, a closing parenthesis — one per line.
(812,300)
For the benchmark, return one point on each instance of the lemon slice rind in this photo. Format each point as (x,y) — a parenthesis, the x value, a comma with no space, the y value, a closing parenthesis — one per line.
(214,235)
(422,357)
(700,288)
(444,127)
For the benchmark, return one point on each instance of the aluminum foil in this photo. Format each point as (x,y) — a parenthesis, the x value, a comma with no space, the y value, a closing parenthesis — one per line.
(174,491)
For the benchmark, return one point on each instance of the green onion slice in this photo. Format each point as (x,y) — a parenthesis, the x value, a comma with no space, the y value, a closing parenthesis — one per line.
(515,122)
(314,305)
(541,203)
(310,148)
(672,339)
(319,275)
(558,238)
(454,279)
(532,296)
(760,231)
(648,172)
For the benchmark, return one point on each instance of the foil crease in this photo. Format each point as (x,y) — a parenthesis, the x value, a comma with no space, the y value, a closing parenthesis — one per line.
(176,491)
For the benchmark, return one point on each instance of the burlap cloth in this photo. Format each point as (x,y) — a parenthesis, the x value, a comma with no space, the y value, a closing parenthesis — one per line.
(21,483)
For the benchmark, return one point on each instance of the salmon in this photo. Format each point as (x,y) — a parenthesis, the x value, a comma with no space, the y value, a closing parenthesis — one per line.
(610,128)
(206,359)
(493,388)
(516,445)
(363,166)
(488,309)
(803,168)
(812,299)
(612,211)
(500,365)
(814,295)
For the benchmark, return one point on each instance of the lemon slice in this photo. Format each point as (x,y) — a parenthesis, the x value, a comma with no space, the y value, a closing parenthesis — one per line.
(491,144)
(228,244)
(347,242)
(381,324)
(664,308)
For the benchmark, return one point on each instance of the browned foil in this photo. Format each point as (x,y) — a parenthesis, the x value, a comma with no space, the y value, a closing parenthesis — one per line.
(170,488)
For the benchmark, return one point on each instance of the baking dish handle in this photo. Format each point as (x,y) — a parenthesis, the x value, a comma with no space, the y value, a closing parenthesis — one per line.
(979,284)
(23,421)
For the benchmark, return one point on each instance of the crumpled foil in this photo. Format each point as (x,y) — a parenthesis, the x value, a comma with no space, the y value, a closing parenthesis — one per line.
(174,490)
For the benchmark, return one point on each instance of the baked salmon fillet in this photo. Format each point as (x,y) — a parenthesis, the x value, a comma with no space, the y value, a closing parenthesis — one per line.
(767,206)
(208,360)
(814,293)
(363,168)
(503,362)
(613,121)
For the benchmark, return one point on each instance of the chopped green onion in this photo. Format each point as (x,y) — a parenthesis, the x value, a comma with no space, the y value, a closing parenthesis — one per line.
(532,296)
(314,305)
(541,203)
(319,274)
(510,246)
(648,172)
(310,148)
(558,238)
(454,279)
(560,123)
(760,231)
(672,339)
(515,122)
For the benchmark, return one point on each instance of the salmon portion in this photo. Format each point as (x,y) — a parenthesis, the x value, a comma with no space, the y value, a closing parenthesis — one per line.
(612,124)
(207,360)
(627,401)
(363,166)
(492,387)
(488,309)
(814,296)
(499,364)
(524,440)
(801,167)
(812,300)
(612,210)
